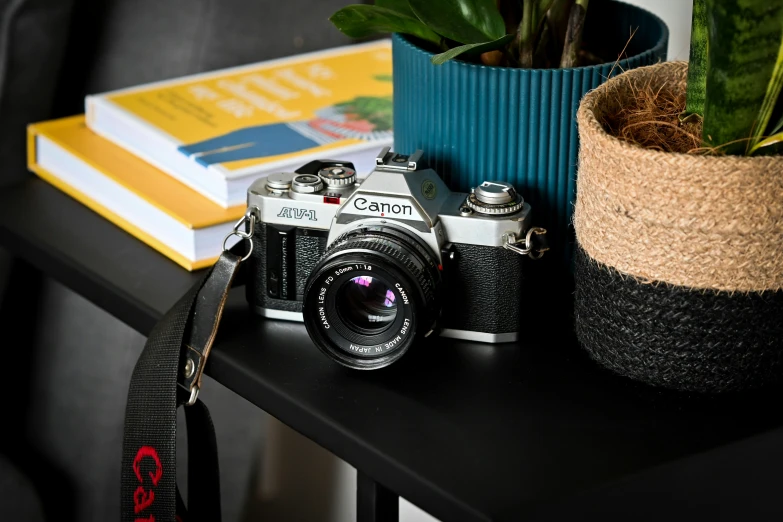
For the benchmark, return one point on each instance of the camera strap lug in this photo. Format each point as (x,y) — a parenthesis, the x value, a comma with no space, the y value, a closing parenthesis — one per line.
(533,245)
(249,219)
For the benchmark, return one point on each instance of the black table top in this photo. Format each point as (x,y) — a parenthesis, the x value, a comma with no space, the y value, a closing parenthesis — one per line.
(466,431)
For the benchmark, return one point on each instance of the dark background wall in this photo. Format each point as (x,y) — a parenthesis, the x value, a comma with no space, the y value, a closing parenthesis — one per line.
(68,363)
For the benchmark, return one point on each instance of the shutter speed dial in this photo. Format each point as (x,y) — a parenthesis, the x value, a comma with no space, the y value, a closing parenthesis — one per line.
(337,176)
(495,198)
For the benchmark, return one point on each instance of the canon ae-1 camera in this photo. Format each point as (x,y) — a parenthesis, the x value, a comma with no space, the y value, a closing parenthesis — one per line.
(371,265)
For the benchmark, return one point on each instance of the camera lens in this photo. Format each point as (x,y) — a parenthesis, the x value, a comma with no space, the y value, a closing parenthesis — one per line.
(367,304)
(373,291)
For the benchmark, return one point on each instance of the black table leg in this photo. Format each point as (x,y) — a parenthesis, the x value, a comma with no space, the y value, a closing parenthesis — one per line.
(374,502)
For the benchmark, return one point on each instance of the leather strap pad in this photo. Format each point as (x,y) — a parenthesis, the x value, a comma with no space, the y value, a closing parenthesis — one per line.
(205,318)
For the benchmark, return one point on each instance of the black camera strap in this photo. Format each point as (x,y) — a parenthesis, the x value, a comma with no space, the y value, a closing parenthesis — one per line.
(168,375)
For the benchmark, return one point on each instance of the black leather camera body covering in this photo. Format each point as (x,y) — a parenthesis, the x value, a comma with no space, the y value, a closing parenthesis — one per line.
(281,260)
(480,291)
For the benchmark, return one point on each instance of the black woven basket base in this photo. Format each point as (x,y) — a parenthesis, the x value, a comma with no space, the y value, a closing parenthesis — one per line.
(679,338)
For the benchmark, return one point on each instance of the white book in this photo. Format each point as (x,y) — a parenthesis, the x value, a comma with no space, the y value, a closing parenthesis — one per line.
(219,131)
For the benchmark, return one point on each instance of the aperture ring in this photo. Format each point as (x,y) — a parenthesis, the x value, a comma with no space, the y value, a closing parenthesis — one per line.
(380,245)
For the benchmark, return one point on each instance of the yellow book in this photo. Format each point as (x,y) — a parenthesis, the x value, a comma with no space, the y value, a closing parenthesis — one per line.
(154,207)
(218,131)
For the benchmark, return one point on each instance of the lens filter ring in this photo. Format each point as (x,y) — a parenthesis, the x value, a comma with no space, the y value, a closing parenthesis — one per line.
(367,299)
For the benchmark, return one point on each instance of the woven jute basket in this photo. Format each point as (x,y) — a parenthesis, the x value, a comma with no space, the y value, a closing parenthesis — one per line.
(679,265)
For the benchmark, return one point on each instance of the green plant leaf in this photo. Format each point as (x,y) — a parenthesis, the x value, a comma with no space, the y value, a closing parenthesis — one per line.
(774,88)
(399,6)
(771,140)
(743,43)
(778,126)
(464,21)
(472,49)
(697,62)
(358,21)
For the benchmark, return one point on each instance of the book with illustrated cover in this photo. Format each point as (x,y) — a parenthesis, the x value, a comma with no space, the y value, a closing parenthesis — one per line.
(218,131)
(149,204)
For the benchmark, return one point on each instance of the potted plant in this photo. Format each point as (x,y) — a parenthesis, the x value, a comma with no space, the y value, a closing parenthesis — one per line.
(679,219)
(490,88)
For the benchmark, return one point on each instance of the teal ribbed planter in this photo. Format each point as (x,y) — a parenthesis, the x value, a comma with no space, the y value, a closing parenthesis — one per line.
(476,123)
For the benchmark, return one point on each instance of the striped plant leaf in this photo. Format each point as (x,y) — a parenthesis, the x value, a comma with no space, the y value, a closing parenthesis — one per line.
(697,63)
(771,100)
(744,39)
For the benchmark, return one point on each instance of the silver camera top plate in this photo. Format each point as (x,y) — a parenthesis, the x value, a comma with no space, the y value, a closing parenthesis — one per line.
(398,192)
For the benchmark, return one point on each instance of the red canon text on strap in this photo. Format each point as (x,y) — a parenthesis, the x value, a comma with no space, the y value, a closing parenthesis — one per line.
(142,498)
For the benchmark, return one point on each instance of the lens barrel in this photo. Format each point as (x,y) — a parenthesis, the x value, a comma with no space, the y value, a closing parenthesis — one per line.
(370,295)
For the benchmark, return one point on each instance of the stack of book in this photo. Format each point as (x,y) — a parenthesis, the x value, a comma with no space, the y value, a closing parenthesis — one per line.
(170,162)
